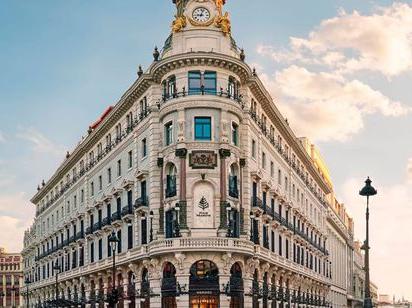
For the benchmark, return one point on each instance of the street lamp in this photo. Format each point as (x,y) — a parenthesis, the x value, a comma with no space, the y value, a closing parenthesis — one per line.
(151,215)
(367,192)
(113,241)
(252,218)
(56,268)
(27,282)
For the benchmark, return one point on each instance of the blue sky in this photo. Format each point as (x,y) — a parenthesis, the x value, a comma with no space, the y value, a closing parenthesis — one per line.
(63,62)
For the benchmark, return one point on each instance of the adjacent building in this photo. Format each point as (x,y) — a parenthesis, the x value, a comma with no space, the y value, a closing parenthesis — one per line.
(214,199)
(11,275)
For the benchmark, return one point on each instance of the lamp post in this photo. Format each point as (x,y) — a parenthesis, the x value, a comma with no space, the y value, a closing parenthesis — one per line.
(113,241)
(27,282)
(367,192)
(252,218)
(56,268)
(151,215)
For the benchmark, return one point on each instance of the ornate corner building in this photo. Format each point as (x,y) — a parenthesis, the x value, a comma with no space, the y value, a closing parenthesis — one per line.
(11,279)
(215,201)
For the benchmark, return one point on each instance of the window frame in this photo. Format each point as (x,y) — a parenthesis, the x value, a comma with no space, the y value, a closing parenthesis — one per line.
(204,136)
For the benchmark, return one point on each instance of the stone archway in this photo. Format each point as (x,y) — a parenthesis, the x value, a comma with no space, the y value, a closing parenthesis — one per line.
(204,285)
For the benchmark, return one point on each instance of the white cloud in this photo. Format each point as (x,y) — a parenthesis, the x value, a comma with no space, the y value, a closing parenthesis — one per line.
(41,144)
(325,106)
(352,42)
(390,217)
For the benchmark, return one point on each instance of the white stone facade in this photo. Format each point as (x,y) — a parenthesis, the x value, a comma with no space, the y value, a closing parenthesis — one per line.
(214,198)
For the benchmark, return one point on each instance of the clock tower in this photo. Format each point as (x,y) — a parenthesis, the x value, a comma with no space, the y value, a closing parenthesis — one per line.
(200,26)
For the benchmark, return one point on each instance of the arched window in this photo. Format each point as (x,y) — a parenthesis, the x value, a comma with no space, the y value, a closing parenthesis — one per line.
(255,290)
(145,289)
(169,286)
(204,284)
(233,181)
(171,180)
(236,286)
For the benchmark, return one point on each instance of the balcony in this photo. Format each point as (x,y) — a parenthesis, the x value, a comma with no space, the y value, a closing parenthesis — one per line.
(97,227)
(257,203)
(219,93)
(125,132)
(106,222)
(127,211)
(142,202)
(116,217)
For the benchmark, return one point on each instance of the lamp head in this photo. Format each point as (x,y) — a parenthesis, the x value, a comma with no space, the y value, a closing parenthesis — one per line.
(113,240)
(368,190)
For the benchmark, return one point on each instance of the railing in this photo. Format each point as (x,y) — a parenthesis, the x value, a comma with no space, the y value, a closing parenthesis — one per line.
(125,132)
(97,227)
(262,125)
(107,221)
(127,210)
(116,216)
(257,202)
(202,91)
(142,202)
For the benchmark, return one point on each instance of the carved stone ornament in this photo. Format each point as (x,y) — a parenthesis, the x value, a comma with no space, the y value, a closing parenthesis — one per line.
(181,153)
(203,160)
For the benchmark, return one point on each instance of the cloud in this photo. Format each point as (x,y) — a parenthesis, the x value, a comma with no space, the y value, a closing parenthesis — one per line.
(16,214)
(353,42)
(390,217)
(40,143)
(326,106)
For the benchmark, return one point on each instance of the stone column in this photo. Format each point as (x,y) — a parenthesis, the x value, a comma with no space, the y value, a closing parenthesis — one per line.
(183,299)
(248,284)
(182,153)
(160,164)
(126,302)
(224,299)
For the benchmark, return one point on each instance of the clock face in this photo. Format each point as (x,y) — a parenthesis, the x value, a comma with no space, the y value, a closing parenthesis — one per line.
(201,15)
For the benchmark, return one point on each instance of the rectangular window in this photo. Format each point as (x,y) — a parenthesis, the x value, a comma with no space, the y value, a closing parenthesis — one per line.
(169,133)
(129,237)
(119,245)
(253,148)
(203,128)
(144,148)
(100,182)
(210,82)
(109,175)
(195,82)
(119,167)
(263,160)
(130,159)
(100,249)
(235,134)
(109,249)
(92,252)
(272,169)
(92,189)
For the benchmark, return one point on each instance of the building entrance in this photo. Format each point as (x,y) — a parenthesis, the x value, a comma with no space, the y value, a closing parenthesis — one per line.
(204,285)
(204,301)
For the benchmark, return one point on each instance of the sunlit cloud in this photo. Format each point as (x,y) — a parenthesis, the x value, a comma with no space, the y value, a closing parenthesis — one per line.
(325,106)
(352,42)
